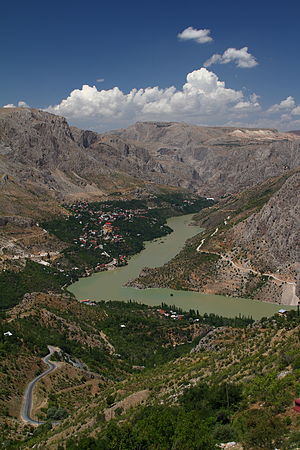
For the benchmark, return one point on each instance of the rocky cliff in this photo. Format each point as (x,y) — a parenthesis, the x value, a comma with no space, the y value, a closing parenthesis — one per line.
(250,247)
(213,160)
(40,160)
(45,162)
(40,153)
(272,236)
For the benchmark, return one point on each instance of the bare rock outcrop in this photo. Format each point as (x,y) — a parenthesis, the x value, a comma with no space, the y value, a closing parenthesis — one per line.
(214,160)
(40,152)
(272,236)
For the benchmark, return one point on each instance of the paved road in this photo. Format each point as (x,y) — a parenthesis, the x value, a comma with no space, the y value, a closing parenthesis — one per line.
(27,404)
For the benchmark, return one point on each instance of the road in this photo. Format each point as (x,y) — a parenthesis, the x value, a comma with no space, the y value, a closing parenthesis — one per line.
(27,403)
(290,286)
(248,269)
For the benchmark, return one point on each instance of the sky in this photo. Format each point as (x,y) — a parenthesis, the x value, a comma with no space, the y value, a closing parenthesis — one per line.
(105,65)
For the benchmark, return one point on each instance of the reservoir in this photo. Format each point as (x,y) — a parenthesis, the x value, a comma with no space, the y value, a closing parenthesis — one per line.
(109,285)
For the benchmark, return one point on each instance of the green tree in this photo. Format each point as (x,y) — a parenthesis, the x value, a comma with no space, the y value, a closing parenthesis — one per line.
(259,429)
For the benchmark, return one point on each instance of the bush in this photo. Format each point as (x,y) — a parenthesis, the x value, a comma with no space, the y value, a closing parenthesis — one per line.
(260,429)
(54,413)
(224,432)
(110,400)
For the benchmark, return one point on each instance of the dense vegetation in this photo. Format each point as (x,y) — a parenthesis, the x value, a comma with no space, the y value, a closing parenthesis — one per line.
(33,278)
(241,387)
(146,221)
(203,418)
(255,412)
(77,260)
(238,386)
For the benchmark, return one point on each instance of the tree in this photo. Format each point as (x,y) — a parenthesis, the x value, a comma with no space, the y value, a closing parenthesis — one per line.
(260,429)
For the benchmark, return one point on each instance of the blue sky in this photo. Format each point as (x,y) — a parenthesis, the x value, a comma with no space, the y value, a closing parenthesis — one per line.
(50,49)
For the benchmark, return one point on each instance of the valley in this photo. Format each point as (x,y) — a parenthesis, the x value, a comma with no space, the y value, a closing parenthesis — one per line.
(86,219)
(218,261)
(122,363)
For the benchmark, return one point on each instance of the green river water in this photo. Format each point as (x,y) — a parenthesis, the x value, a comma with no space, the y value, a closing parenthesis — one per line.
(109,285)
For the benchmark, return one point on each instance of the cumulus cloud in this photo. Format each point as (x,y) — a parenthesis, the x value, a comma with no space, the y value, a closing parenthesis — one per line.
(254,97)
(288,103)
(203,99)
(21,104)
(296,111)
(241,57)
(192,34)
(247,106)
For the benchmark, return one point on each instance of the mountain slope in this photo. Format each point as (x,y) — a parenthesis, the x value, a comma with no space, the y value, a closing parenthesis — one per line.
(231,370)
(215,160)
(250,247)
(272,236)
(44,162)
(42,156)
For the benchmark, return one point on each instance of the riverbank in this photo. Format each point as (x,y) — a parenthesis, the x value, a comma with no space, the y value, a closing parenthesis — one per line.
(110,285)
(224,260)
(93,237)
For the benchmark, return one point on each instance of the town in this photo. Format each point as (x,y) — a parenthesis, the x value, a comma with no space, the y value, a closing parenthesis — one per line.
(115,232)
(103,235)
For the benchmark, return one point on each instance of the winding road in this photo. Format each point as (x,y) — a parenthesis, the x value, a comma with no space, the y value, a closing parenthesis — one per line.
(290,285)
(27,404)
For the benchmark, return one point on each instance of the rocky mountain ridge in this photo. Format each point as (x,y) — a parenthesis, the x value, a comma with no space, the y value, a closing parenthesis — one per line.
(45,162)
(273,234)
(42,156)
(250,247)
(38,153)
(215,160)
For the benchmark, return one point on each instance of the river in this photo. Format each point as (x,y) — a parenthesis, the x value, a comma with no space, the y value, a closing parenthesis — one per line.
(109,285)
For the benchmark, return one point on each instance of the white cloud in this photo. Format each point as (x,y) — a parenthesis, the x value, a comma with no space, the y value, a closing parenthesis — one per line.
(100,80)
(200,36)
(241,57)
(21,104)
(296,111)
(288,103)
(254,97)
(247,106)
(203,98)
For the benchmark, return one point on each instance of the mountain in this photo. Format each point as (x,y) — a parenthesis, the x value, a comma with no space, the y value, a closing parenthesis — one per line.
(249,247)
(296,132)
(44,161)
(41,164)
(213,161)
(157,383)
(128,375)
(272,235)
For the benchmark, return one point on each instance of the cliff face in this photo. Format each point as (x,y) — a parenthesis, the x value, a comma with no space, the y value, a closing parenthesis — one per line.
(272,236)
(214,160)
(44,162)
(250,247)
(269,241)
(41,161)
(41,149)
